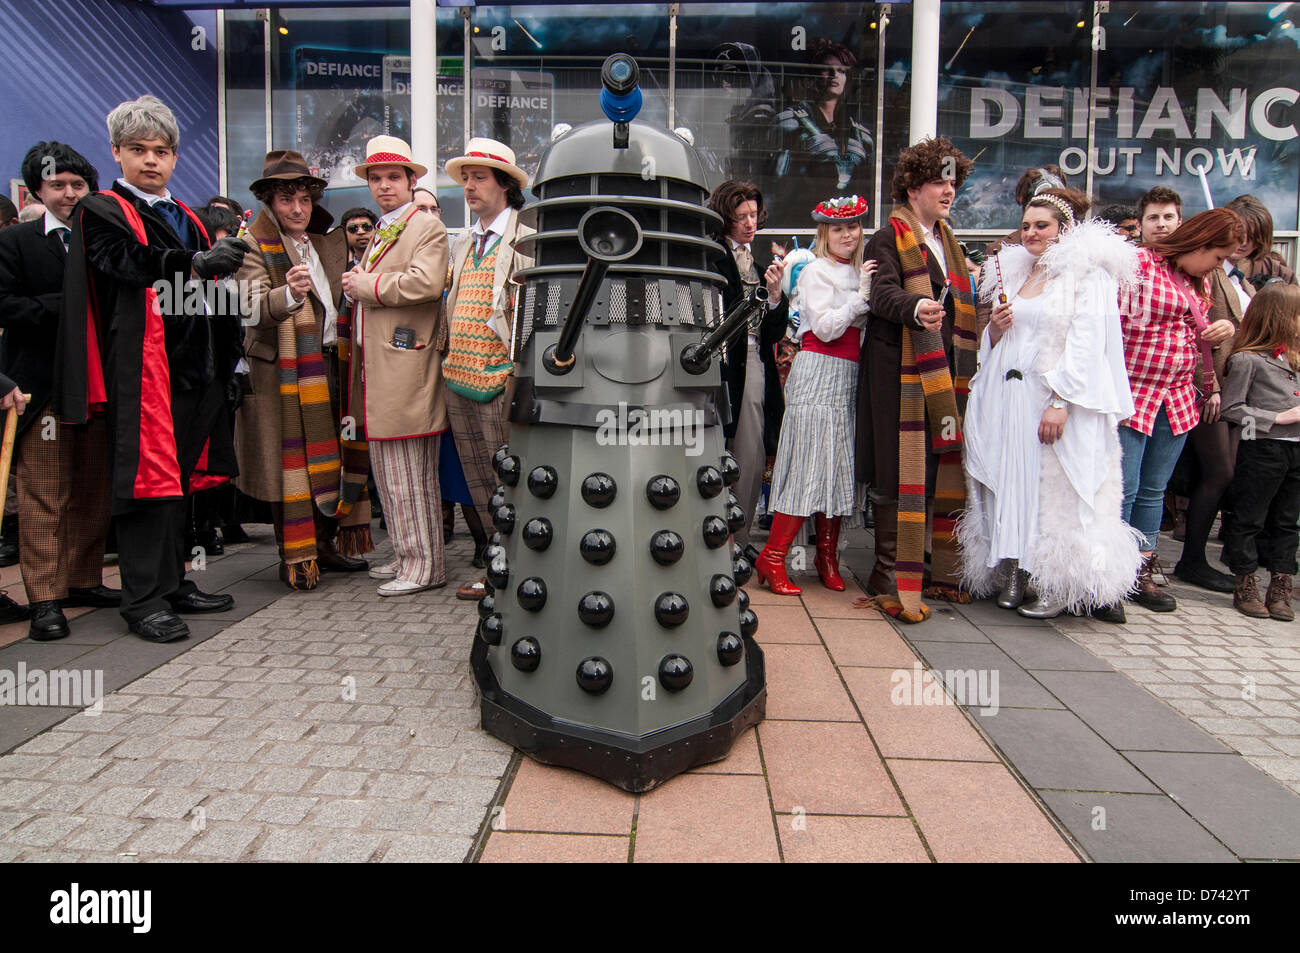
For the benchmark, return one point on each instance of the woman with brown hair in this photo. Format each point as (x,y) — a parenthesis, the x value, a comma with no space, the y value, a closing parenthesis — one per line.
(1167,340)
(1262,397)
(1253,258)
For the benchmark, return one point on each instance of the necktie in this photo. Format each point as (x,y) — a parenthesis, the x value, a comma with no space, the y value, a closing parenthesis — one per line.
(173,216)
(481,247)
(65,236)
(745,262)
(1237,273)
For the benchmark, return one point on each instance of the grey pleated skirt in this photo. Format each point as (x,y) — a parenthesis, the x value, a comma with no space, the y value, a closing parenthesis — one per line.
(813,472)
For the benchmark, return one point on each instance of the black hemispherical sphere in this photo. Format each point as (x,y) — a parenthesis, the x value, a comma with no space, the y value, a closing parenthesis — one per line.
(491,628)
(715,531)
(531,594)
(542,482)
(666,547)
(596,609)
(503,518)
(597,546)
(730,648)
(495,539)
(498,568)
(735,518)
(526,654)
(671,609)
(663,491)
(486,606)
(709,482)
(742,600)
(742,569)
(730,469)
(537,534)
(748,623)
(502,452)
(675,672)
(498,498)
(509,470)
(595,675)
(599,490)
(722,590)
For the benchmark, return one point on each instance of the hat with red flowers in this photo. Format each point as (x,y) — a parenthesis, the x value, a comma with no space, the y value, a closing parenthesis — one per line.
(842,209)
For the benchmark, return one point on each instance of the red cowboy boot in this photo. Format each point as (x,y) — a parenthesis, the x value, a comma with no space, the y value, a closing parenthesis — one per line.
(827,561)
(770,564)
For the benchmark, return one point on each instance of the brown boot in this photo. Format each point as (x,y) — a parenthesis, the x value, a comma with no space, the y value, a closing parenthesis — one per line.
(1148,593)
(882,581)
(1246,599)
(1278,598)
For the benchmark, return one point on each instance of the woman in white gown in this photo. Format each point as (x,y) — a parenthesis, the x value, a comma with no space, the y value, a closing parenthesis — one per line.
(1042,453)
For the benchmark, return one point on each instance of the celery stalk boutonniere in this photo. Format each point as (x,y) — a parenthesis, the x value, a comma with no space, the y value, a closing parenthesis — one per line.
(385,237)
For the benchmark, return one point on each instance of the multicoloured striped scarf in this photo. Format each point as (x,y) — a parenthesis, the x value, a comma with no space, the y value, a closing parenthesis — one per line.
(316,474)
(928,389)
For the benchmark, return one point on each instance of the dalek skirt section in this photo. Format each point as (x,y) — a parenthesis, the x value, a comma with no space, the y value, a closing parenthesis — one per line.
(615,638)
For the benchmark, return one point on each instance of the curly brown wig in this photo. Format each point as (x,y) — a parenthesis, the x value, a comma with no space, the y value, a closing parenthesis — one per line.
(289,187)
(729,196)
(930,160)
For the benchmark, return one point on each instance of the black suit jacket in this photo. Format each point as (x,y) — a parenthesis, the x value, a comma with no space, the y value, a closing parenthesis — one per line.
(31,293)
(737,355)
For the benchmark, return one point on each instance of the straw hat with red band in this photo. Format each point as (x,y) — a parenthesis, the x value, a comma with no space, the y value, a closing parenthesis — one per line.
(388,150)
(493,154)
(842,209)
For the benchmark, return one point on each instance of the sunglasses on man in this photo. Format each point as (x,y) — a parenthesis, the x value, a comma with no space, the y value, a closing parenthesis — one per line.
(360,229)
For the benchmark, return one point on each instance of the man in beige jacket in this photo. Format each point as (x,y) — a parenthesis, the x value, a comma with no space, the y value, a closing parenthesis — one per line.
(397,288)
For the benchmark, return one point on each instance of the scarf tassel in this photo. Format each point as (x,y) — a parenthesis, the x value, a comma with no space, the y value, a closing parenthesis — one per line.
(355,541)
(304,575)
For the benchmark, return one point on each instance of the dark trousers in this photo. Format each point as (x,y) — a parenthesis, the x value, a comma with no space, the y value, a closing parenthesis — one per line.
(1265,527)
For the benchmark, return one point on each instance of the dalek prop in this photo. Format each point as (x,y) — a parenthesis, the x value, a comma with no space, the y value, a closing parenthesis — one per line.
(615,637)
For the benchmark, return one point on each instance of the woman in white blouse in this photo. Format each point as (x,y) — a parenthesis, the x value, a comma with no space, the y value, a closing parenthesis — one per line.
(813,472)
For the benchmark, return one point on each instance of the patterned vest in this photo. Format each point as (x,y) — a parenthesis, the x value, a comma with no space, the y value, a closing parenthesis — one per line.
(477,362)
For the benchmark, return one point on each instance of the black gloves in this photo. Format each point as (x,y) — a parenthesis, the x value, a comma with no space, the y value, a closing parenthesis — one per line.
(224,258)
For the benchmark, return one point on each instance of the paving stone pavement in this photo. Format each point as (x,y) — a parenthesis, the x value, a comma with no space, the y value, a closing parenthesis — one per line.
(1236,677)
(331,725)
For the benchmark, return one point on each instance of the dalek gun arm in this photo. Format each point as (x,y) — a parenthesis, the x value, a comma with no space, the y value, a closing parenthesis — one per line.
(696,358)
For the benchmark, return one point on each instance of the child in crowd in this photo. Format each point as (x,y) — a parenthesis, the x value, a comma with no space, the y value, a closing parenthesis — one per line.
(1262,397)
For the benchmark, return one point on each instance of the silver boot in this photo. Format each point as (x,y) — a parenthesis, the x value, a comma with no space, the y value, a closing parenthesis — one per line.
(1016,588)
(1041,609)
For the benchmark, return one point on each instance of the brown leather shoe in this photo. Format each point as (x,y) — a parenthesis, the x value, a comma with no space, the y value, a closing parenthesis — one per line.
(1278,599)
(1148,593)
(472,592)
(1246,599)
(333,561)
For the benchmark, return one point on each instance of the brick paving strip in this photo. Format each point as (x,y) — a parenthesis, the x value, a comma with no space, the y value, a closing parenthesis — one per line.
(835,773)
(1129,776)
(330,725)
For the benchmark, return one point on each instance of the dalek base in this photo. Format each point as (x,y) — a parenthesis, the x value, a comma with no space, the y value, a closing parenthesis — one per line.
(635,765)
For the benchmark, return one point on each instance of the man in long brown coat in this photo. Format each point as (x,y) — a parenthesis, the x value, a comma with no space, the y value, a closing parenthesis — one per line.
(293,337)
(397,288)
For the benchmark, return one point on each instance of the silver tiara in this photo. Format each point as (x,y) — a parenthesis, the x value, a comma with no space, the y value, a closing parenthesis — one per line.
(1047,181)
(1063,205)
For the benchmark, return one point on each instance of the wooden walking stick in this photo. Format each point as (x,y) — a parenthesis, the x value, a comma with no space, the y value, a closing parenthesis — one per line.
(7,454)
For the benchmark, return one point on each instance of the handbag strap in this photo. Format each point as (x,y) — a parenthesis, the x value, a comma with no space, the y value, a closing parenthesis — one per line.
(1202,322)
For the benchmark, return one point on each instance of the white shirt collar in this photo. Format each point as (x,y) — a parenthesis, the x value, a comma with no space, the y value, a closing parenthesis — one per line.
(152,200)
(52,224)
(497,225)
(388,219)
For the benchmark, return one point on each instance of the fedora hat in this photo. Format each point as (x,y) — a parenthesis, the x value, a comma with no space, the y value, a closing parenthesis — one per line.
(388,150)
(493,154)
(282,165)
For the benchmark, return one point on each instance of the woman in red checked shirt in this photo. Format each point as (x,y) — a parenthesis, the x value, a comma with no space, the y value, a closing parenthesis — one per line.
(1166,338)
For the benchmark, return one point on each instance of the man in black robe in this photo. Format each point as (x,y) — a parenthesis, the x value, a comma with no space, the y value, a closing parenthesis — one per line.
(156,351)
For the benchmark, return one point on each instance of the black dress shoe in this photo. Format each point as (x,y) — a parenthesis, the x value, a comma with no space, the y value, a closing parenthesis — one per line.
(48,622)
(11,611)
(8,553)
(480,557)
(1113,614)
(869,515)
(1205,576)
(162,626)
(97,597)
(234,533)
(331,561)
(202,602)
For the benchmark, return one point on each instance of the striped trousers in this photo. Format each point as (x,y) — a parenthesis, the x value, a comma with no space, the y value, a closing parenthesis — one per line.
(480,429)
(63,507)
(406,473)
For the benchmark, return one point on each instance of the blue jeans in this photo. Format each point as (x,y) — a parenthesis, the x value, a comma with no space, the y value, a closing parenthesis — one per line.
(1148,464)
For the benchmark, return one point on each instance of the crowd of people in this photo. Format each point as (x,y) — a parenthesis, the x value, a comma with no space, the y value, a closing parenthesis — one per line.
(1014,420)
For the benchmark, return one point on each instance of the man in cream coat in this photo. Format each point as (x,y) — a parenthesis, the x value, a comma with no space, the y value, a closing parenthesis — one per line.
(397,288)
(476,348)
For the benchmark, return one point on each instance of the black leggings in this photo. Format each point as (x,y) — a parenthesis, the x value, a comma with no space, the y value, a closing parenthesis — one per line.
(1215,446)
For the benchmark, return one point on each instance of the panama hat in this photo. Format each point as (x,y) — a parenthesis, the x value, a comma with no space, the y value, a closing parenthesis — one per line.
(388,150)
(493,154)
